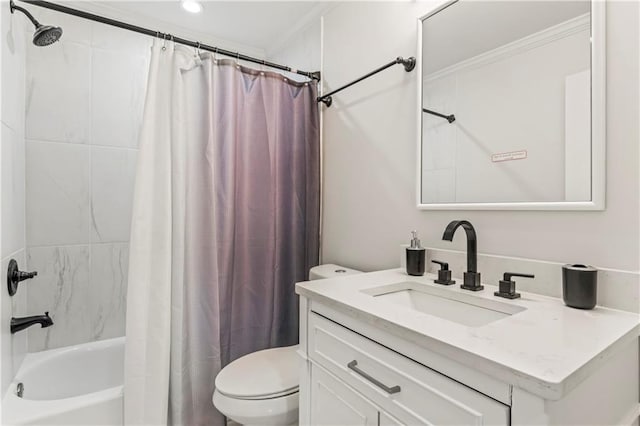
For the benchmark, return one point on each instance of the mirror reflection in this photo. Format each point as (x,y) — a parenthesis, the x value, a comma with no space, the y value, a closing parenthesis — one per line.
(506,97)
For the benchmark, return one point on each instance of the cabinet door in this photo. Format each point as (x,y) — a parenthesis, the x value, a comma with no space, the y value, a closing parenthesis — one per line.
(334,403)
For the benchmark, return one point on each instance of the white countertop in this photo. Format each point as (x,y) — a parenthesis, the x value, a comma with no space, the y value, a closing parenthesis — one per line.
(546,349)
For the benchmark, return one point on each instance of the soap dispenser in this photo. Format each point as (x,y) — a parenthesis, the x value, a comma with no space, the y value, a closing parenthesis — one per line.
(415,256)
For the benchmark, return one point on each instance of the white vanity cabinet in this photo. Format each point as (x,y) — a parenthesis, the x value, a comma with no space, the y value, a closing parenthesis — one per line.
(334,403)
(356,381)
(365,362)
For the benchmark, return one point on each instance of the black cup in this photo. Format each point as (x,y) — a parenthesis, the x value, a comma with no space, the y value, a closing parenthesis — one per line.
(579,286)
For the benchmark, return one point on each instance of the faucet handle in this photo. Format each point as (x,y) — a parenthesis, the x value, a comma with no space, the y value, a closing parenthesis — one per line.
(507,276)
(444,266)
(15,276)
(507,287)
(444,274)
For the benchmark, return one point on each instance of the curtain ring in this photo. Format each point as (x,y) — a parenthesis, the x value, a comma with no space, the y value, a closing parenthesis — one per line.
(164,42)
(238,59)
(198,49)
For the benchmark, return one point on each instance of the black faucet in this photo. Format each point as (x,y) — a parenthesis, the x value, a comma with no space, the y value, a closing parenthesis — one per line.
(18,324)
(472,276)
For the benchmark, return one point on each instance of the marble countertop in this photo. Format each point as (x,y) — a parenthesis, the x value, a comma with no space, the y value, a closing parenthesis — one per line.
(546,349)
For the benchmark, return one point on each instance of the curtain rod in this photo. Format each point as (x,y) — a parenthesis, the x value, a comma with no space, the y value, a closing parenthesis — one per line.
(409,64)
(450,118)
(315,75)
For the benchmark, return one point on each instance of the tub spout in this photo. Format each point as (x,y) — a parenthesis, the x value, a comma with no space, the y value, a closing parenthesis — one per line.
(18,324)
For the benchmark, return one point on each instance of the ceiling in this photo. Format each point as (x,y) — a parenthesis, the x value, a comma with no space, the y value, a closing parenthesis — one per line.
(259,24)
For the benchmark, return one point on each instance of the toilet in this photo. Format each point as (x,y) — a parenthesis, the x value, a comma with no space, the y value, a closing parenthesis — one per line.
(261,388)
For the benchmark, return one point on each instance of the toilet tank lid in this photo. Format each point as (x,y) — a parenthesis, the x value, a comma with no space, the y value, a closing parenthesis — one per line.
(330,270)
(261,374)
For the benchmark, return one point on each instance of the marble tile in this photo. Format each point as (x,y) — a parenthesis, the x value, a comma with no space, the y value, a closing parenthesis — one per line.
(58,104)
(6,347)
(19,309)
(112,180)
(118,91)
(13,51)
(62,288)
(108,295)
(58,193)
(13,347)
(12,153)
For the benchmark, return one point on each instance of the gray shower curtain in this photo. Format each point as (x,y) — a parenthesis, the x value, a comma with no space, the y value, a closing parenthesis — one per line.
(226,220)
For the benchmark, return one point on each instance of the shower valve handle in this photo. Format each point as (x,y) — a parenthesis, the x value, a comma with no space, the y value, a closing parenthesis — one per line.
(15,276)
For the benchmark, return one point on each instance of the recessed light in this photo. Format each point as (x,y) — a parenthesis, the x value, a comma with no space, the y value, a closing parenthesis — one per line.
(192,6)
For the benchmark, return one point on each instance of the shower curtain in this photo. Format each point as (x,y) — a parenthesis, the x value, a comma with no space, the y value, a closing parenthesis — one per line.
(225,221)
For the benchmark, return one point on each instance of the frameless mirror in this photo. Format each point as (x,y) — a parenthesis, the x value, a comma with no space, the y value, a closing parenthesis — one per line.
(512,106)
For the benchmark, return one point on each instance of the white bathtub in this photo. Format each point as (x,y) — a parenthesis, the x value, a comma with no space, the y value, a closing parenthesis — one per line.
(76,385)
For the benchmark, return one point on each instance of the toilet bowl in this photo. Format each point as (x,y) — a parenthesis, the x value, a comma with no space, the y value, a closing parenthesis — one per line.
(261,388)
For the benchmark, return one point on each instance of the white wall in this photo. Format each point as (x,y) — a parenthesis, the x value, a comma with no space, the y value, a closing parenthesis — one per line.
(12,240)
(370,149)
(301,49)
(85,97)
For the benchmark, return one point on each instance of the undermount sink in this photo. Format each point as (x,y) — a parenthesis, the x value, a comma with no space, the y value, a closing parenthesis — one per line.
(461,308)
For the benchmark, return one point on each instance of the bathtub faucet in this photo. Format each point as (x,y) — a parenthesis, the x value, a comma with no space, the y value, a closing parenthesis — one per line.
(18,324)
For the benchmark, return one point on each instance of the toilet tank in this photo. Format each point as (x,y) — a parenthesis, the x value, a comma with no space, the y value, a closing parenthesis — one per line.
(330,271)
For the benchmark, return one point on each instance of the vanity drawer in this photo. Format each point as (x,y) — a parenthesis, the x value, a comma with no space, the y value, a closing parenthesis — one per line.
(407,390)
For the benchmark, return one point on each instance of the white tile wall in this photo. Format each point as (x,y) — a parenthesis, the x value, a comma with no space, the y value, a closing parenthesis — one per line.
(61,288)
(58,193)
(13,197)
(59,93)
(13,347)
(18,309)
(86,97)
(12,240)
(112,177)
(13,71)
(117,108)
(112,38)
(108,278)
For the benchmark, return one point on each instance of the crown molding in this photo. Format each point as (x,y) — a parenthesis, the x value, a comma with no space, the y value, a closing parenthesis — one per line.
(546,36)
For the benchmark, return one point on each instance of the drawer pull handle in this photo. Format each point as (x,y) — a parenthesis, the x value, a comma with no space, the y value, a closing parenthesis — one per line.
(353,365)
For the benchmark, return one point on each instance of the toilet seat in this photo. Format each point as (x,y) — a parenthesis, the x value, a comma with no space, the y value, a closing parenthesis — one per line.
(260,388)
(249,412)
(267,374)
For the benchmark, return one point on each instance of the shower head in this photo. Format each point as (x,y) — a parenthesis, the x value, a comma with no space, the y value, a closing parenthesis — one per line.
(45,34)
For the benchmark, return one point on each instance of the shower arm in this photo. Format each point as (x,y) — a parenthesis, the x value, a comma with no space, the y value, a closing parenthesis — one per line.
(13,7)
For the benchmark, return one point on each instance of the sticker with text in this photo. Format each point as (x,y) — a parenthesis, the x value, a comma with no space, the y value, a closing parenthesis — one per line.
(509,156)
